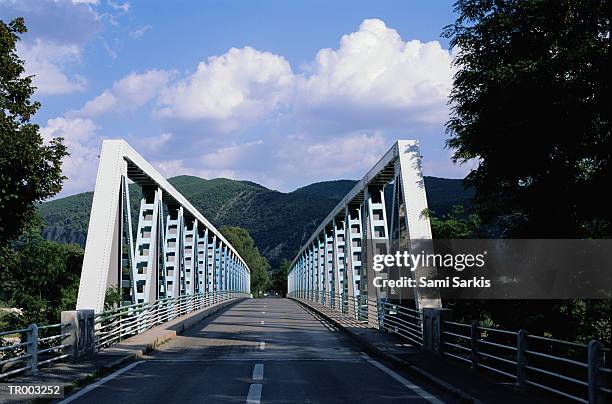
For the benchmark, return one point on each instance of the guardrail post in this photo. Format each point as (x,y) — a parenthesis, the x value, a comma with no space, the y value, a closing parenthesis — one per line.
(32,347)
(521,357)
(595,355)
(433,328)
(474,336)
(79,324)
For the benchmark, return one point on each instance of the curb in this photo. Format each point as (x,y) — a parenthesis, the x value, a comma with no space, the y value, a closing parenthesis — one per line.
(395,361)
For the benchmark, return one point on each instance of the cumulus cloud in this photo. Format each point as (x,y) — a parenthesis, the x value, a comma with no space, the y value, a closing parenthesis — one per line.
(80,137)
(44,60)
(379,79)
(347,156)
(129,93)
(50,52)
(373,80)
(239,87)
(332,119)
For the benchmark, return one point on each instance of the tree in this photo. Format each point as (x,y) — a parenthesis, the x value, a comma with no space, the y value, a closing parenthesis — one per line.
(279,278)
(531,102)
(244,244)
(455,224)
(30,171)
(38,277)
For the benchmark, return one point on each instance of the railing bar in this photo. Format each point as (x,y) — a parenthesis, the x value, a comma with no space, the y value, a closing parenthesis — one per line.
(498,330)
(497,370)
(53,359)
(547,372)
(457,346)
(53,348)
(482,341)
(6,348)
(14,331)
(459,324)
(16,358)
(556,391)
(577,344)
(456,335)
(499,358)
(558,358)
(457,357)
(12,372)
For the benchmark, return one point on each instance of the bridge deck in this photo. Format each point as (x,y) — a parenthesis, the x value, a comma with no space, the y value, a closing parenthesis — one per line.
(268,349)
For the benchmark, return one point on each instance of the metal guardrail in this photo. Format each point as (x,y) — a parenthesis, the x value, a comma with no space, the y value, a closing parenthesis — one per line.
(115,325)
(575,371)
(406,322)
(30,348)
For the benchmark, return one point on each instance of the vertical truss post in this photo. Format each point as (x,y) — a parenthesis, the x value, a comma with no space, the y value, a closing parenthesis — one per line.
(328,268)
(339,246)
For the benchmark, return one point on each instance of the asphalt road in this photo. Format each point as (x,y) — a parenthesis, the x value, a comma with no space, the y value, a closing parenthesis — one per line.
(268,350)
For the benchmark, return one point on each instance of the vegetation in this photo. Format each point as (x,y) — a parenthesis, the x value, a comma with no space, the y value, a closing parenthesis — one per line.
(242,241)
(455,224)
(279,278)
(38,278)
(30,171)
(531,102)
(278,222)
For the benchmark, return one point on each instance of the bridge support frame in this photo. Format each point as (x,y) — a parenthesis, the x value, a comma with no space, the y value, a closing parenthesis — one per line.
(163,262)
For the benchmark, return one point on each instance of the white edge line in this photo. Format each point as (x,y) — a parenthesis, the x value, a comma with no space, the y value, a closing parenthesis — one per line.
(424,394)
(99,383)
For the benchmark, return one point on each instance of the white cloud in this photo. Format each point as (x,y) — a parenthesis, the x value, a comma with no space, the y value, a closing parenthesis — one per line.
(231,156)
(129,93)
(140,31)
(380,79)
(125,7)
(347,156)
(45,61)
(83,144)
(374,80)
(234,89)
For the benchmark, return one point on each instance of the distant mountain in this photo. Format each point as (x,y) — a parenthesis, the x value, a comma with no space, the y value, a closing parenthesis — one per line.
(279,222)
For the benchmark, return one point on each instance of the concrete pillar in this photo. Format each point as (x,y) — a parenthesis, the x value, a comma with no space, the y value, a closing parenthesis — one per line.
(81,340)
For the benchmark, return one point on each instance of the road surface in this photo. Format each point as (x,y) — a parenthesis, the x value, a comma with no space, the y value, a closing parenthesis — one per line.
(259,350)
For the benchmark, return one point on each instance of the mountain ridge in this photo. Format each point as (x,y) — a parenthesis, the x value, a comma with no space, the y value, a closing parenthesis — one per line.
(278,222)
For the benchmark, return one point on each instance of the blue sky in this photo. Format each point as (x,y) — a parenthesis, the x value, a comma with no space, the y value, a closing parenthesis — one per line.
(283,93)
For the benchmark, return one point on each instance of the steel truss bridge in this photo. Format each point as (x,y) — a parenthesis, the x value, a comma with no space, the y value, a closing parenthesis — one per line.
(174,269)
(175,251)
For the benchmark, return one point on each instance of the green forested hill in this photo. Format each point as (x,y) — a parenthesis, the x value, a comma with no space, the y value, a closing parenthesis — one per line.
(278,222)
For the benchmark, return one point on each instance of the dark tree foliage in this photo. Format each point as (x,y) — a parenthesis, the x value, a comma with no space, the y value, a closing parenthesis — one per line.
(30,171)
(242,241)
(531,102)
(38,277)
(279,278)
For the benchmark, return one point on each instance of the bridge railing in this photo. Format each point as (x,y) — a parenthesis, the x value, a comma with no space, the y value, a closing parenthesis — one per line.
(572,370)
(576,371)
(29,348)
(115,325)
(406,322)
